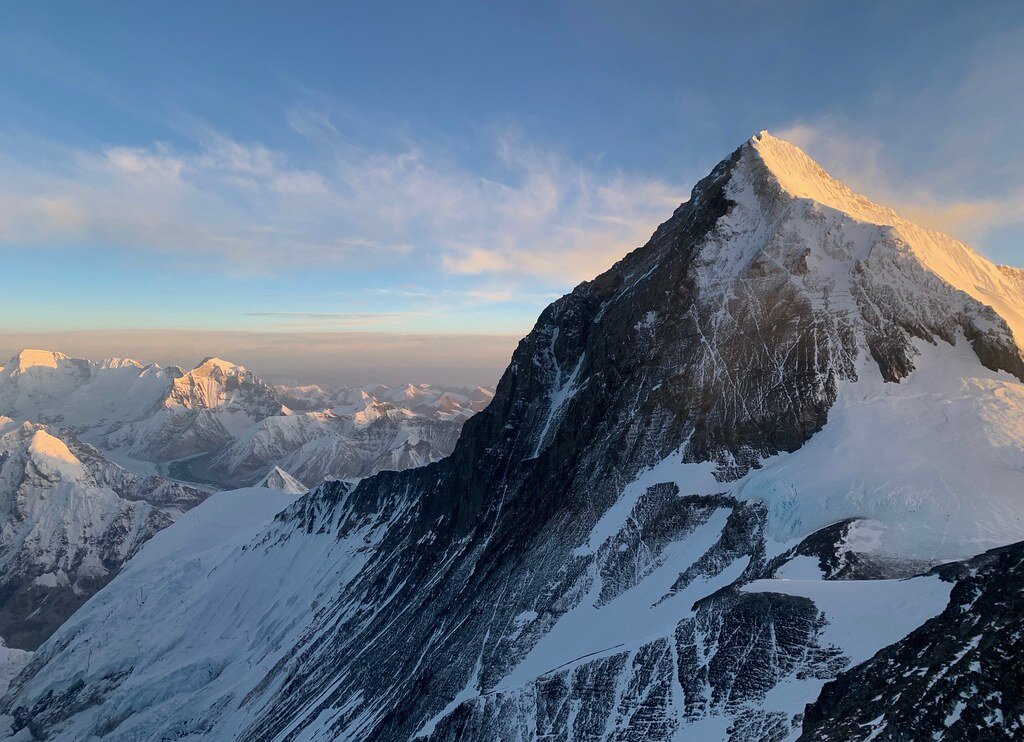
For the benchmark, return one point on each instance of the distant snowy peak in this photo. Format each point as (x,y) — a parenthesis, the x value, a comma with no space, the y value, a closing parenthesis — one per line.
(212,365)
(49,386)
(373,401)
(53,459)
(46,386)
(215,383)
(48,361)
(31,358)
(279,479)
(225,426)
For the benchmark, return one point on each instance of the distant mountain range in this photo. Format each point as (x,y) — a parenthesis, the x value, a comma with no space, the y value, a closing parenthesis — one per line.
(221,425)
(96,457)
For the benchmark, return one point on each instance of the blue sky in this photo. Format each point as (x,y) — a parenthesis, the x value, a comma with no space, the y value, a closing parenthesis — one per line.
(441,171)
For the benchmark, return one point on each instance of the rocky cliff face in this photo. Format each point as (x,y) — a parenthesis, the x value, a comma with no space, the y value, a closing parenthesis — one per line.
(958,676)
(628,541)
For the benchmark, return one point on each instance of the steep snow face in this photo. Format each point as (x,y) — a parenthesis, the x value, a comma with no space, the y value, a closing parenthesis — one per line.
(12,662)
(934,461)
(227,540)
(606,551)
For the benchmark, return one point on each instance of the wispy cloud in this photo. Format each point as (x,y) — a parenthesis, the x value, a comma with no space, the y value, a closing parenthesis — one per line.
(354,317)
(522,210)
(308,321)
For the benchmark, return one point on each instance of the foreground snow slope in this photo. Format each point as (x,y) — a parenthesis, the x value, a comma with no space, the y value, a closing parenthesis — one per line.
(659,527)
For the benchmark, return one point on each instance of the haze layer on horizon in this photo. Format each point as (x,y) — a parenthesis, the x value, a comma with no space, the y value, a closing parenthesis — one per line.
(393,193)
(330,359)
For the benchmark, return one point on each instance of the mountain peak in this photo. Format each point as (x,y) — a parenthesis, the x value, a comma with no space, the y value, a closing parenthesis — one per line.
(53,458)
(120,362)
(211,363)
(278,479)
(797,176)
(30,357)
(801,177)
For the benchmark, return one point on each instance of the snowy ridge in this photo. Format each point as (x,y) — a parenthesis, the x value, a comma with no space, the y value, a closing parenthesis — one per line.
(954,262)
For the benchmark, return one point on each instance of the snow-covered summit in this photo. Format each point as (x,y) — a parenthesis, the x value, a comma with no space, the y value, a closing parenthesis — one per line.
(212,364)
(216,383)
(279,479)
(801,177)
(53,459)
(954,262)
(31,357)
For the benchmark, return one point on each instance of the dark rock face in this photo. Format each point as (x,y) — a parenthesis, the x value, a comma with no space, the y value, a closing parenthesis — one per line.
(959,676)
(722,661)
(611,380)
(739,646)
(893,318)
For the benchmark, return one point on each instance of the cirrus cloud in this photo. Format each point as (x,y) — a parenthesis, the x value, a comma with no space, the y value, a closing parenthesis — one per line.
(519,211)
